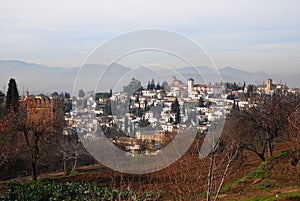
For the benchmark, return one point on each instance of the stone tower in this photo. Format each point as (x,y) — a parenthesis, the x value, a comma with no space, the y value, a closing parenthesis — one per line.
(269,85)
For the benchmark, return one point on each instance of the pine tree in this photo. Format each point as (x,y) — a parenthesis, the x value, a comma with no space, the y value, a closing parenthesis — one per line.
(12,96)
(148,85)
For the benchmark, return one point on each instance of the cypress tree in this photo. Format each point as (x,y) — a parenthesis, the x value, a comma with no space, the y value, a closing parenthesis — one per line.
(175,108)
(12,96)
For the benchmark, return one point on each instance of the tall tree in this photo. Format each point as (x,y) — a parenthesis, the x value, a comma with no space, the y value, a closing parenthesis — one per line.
(12,96)
(152,85)
(148,85)
(175,108)
(110,93)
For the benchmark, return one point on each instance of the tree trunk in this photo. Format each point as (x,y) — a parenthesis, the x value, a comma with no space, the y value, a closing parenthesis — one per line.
(34,157)
(270,149)
(34,170)
(65,164)
(230,159)
(210,176)
(261,156)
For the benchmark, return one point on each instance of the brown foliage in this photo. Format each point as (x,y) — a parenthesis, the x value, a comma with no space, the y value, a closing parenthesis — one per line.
(258,128)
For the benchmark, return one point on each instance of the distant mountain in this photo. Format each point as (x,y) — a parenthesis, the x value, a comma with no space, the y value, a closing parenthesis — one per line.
(237,75)
(42,79)
(36,78)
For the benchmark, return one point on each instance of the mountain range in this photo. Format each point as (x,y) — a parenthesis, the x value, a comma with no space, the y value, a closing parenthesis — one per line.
(37,78)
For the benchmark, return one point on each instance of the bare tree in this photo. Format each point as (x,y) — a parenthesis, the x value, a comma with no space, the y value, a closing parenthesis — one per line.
(228,155)
(38,124)
(71,149)
(259,127)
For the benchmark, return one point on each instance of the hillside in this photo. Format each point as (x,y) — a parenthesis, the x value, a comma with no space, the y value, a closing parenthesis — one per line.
(248,178)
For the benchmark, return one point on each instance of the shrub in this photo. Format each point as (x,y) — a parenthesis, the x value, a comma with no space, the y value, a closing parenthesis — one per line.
(50,190)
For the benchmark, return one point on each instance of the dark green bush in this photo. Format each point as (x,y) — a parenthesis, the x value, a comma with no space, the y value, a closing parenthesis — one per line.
(50,190)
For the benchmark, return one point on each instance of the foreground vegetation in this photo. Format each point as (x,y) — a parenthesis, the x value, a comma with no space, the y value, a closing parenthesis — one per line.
(50,190)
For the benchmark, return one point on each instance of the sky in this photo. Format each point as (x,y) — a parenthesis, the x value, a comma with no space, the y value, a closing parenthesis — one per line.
(256,35)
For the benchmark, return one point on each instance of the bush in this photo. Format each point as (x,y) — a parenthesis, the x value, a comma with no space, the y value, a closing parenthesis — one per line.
(49,190)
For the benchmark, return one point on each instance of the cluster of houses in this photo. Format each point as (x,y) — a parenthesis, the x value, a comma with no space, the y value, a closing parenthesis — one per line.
(148,118)
(145,119)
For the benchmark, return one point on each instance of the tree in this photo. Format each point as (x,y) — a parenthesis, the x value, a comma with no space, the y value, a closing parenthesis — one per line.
(152,85)
(294,123)
(12,95)
(230,154)
(201,102)
(158,87)
(175,108)
(38,125)
(55,94)
(7,151)
(148,85)
(81,93)
(221,151)
(67,95)
(110,93)
(71,149)
(259,127)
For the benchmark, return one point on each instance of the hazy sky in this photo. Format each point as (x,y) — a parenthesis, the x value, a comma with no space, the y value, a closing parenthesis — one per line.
(252,35)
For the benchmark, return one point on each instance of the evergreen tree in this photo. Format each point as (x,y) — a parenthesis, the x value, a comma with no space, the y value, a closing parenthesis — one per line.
(148,85)
(158,87)
(67,95)
(81,93)
(12,96)
(55,94)
(201,102)
(110,93)
(152,85)
(175,108)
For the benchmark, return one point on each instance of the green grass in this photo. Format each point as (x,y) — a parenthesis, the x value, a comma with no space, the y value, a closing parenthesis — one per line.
(273,197)
(74,174)
(265,185)
(259,172)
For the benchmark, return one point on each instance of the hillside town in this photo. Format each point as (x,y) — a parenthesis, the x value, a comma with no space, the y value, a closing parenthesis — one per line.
(46,133)
(144,119)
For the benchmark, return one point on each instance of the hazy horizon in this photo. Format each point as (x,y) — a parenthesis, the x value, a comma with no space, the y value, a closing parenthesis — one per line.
(250,35)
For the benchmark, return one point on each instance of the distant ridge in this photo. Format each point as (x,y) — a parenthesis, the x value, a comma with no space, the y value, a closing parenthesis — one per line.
(40,78)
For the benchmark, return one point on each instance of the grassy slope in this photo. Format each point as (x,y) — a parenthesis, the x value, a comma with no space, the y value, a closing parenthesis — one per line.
(275,179)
